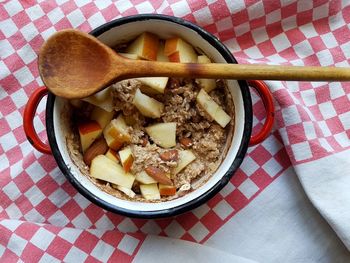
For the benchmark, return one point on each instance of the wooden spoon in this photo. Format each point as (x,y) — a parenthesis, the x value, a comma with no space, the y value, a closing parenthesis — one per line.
(73,64)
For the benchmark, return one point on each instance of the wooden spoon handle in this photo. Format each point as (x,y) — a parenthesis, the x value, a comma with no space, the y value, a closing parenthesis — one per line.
(239,71)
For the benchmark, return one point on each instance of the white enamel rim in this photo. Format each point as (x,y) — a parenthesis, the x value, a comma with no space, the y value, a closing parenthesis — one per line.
(164,29)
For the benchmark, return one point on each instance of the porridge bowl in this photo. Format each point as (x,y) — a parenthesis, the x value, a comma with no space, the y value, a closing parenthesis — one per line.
(236,101)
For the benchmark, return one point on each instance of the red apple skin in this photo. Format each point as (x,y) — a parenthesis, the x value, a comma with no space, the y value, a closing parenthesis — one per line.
(150,48)
(128,163)
(178,50)
(88,127)
(167,191)
(119,136)
(175,57)
(116,145)
(170,46)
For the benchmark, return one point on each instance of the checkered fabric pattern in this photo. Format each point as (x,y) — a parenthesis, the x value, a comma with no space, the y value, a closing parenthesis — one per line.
(43,218)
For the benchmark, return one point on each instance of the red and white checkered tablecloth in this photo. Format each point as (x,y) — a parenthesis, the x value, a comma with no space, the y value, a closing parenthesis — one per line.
(42,217)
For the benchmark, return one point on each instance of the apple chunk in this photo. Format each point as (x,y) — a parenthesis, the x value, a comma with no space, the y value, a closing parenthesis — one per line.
(102,99)
(212,108)
(101,116)
(145,46)
(157,84)
(107,170)
(129,56)
(112,155)
(206,84)
(178,50)
(112,142)
(88,132)
(163,134)
(167,189)
(152,85)
(148,106)
(125,190)
(144,178)
(116,133)
(126,158)
(150,191)
(185,158)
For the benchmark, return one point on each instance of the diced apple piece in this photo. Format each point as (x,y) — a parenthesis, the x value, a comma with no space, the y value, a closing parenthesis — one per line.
(116,133)
(112,142)
(203,59)
(185,158)
(161,54)
(118,127)
(126,191)
(221,117)
(88,132)
(126,158)
(129,56)
(101,116)
(102,99)
(152,85)
(148,106)
(145,46)
(167,189)
(112,155)
(144,178)
(206,84)
(163,134)
(157,83)
(213,109)
(171,45)
(150,191)
(107,170)
(178,50)
(207,103)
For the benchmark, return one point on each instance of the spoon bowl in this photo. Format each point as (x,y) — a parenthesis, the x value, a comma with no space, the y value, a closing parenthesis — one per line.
(73,61)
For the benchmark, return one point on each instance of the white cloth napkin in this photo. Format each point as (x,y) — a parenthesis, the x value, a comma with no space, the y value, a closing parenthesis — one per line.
(158,249)
(327,184)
